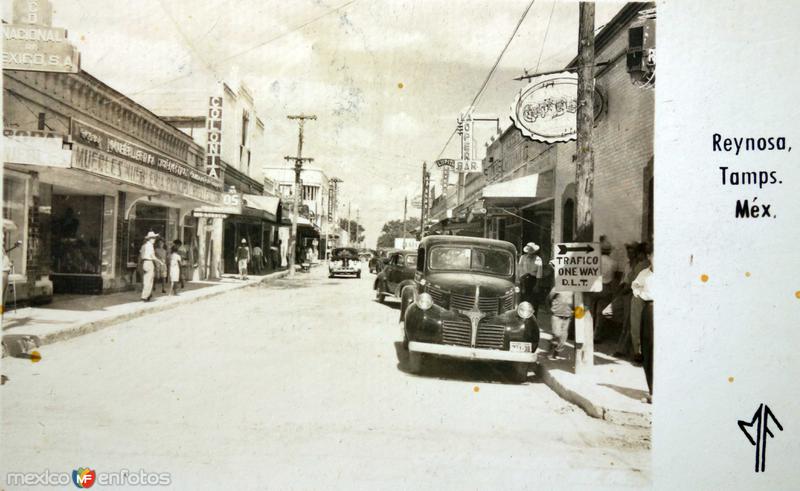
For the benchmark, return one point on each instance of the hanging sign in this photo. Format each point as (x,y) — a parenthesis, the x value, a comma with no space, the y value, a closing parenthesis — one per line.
(214,137)
(469,166)
(546,110)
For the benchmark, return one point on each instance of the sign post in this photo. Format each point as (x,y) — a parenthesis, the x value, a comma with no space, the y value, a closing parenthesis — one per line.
(577,269)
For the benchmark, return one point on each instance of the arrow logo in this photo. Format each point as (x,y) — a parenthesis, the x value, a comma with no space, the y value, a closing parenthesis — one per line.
(761,420)
(564,248)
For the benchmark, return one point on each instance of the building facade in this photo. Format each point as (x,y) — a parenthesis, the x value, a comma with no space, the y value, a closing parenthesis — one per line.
(247,214)
(527,191)
(87,174)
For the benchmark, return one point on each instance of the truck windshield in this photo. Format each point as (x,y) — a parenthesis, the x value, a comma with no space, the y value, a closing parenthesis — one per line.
(464,258)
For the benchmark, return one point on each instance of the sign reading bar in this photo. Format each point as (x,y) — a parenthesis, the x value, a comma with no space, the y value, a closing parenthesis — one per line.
(214,137)
(88,135)
(31,43)
(469,166)
(577,267)
(104,164)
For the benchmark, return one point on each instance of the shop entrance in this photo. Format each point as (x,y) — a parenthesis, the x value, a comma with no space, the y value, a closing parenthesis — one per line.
(82,235)
(234,232)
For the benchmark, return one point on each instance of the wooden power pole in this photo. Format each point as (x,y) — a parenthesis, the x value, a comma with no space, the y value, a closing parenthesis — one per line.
(298,167)
(424,204)
(405,216)
(584,176)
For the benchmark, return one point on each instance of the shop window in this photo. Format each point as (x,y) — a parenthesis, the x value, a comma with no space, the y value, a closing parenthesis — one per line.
(310,193)
(77,234)
(15,219)
(109,231)
(568,221)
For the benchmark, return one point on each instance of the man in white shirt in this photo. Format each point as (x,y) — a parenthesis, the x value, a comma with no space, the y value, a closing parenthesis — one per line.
(529,272)
(642,289)
(147,256)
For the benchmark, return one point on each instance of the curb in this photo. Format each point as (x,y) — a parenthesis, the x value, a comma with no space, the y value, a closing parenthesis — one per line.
(617,416)
(93,326)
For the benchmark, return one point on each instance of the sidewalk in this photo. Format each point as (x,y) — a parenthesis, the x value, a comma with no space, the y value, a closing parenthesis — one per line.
(69,316)
(613,391)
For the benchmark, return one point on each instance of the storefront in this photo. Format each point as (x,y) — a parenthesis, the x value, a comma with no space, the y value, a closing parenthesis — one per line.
(80,200)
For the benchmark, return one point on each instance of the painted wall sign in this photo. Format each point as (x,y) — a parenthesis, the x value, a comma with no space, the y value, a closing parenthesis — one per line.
(88,135)
(214,137)
(31,43)
(99,162)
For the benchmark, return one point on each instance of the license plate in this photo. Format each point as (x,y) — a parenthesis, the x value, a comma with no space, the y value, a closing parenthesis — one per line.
(518,347)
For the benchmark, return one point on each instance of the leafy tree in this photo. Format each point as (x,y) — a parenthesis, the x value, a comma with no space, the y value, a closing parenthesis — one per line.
(351,229)
(393,229)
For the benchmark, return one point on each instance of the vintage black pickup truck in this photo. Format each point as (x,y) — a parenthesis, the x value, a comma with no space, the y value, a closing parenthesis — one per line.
(464,304)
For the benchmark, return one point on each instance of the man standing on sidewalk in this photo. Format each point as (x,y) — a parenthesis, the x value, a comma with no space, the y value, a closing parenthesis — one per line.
(642,290)
(529,272)
(242,258)
(637,304)
(147,257)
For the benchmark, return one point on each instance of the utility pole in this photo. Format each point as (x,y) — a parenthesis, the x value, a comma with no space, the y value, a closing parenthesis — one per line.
(584,176)
(424,207)
(405,215)
(298,167)
(335,204)
(349,224)
(358,221)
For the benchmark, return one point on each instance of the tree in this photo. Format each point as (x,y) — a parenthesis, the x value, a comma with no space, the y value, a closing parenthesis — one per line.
(393,229)
(352,228)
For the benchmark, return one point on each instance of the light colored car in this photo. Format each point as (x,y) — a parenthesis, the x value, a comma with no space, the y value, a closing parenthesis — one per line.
(344,261)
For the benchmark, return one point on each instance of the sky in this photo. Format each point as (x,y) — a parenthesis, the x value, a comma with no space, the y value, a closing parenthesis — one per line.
(386,79)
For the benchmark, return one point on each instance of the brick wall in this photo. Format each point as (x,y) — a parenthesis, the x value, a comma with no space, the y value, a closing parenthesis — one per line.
(623,145)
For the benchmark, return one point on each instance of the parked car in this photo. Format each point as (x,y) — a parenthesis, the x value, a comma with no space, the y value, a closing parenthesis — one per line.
(396,275)
(344,260)
(464,305)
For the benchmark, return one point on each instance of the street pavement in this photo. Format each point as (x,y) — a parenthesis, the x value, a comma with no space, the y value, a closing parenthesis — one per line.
(298,384)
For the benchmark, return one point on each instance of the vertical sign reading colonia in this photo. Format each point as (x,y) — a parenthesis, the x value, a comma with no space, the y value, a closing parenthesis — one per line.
(214,136)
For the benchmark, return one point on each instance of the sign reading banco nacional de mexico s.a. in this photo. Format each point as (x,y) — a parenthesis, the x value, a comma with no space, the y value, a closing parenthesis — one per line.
(546,110)
(31,43)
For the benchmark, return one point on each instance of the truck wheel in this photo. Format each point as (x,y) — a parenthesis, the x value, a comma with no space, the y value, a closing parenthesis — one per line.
(416,361)
(520,372)
(358,275)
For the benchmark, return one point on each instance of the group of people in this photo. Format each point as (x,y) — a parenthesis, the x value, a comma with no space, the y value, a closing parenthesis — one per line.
(625,301)
(168,268)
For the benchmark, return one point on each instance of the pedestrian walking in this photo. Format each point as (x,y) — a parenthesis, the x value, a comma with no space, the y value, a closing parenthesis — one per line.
(7,264)
(529,272)
(161,264)
(642,289)
(600,300)
(561,308)
(148,260)
(242,258)
(174,272)
(183,252)
(637,304)
(258,260)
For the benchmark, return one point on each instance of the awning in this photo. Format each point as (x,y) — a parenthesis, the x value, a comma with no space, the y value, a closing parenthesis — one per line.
(517,192)
(267,205)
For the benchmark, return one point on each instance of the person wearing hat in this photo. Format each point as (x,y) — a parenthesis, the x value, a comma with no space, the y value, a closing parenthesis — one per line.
(148,259)
(529,272)
(242,258)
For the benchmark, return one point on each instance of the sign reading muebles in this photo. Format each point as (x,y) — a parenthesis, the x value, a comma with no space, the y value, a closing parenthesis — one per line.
(107,165)
(90,136)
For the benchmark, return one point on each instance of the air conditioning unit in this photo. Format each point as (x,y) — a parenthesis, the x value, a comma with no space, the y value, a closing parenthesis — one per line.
(642,47)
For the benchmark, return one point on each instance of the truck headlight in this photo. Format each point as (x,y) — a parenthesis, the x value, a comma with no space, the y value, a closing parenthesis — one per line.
(525,310)
(424,301)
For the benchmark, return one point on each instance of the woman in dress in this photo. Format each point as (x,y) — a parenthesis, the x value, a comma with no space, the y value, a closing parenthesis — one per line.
(161,264)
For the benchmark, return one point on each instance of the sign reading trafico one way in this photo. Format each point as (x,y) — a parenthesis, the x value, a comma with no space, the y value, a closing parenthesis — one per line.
(577,267)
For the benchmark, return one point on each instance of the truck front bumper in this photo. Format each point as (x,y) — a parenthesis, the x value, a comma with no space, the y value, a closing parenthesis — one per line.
(467,353)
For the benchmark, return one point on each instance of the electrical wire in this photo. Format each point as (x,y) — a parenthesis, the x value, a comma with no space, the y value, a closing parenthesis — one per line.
(544,41)
(488,78)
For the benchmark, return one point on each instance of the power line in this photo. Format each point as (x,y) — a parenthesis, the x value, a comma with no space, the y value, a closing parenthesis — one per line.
(491,72)
(544,41)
